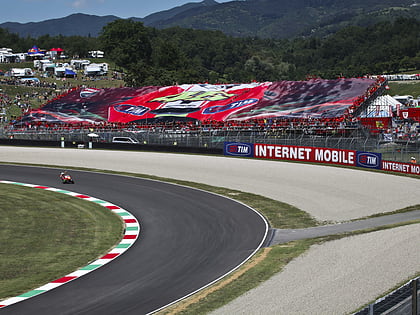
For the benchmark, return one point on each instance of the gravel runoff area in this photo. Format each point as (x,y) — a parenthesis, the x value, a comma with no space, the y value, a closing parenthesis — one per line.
(332,278)
(336,277)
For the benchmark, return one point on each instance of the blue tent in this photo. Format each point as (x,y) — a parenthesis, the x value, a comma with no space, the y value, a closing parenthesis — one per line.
(69,73)
(36,51)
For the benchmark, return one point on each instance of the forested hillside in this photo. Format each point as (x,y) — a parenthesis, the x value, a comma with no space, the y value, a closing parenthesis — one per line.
(250,18)
(184,55)
(73,25)
(287,19)
(151,56)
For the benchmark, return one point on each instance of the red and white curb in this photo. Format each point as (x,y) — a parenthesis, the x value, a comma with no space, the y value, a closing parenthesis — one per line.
(131,233)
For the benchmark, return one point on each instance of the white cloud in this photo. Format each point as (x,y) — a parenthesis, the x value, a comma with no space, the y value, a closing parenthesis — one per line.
(79,4)
(85,3)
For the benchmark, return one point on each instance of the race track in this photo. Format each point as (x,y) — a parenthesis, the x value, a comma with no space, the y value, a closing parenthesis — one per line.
(327,193)
(188,239)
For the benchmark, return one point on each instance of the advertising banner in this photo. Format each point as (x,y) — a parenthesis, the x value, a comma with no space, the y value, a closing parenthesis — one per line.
(369,160)
(305,154)
(406,168)
(239,149)
(319,155)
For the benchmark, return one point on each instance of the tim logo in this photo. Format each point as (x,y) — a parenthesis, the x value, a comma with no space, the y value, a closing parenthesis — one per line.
(369,159)
(270,95)
(88,92)
(222,108)
(238,149)
(131,109)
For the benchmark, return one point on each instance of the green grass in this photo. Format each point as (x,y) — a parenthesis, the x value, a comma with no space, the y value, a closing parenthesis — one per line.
(404,88)
(13,90)
(45,235)
(98,83)
(7,66)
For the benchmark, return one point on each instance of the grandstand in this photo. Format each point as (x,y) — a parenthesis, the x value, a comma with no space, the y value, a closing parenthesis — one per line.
(316,101)
(349,111)
(345,113)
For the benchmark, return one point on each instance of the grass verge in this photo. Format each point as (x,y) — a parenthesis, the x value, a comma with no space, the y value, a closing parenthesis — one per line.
(45,235)
(405,88)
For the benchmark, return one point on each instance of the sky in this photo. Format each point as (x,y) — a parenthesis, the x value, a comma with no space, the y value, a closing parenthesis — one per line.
(24,11)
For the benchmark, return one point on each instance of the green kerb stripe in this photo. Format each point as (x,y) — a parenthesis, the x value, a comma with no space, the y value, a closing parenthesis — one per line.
(123,214)
(31,293)
(123,245)
(90,267)
(99,201)
(132,228)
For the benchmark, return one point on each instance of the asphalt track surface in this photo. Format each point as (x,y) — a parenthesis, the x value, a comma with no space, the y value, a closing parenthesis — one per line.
(280,236)
(188,239)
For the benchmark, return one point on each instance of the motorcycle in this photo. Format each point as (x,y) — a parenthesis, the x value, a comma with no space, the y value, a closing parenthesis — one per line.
(66,179)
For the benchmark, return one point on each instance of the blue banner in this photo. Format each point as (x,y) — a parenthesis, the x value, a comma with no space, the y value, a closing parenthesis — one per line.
(239,149)
(369,160)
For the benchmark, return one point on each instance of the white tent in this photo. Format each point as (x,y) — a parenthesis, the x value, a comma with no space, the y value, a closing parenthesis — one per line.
(382,106)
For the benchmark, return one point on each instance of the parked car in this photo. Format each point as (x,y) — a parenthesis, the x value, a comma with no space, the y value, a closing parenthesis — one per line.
(124,140)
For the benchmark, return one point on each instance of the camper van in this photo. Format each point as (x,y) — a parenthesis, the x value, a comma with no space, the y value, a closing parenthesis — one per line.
(124,140)
(96,69)
(96,54)
(406,100)
(43,64)
(64,72)
(79,64)
(21,72)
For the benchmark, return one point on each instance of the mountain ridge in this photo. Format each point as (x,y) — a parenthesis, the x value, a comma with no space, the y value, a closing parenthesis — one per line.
(249,18)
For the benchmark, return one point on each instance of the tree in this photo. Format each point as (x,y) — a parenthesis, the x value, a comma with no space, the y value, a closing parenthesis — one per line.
(168,55)
(128,44)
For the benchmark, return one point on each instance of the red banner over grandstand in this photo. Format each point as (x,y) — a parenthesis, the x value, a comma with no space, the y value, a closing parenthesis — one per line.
(194,102)
(307,99)
(205,102)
